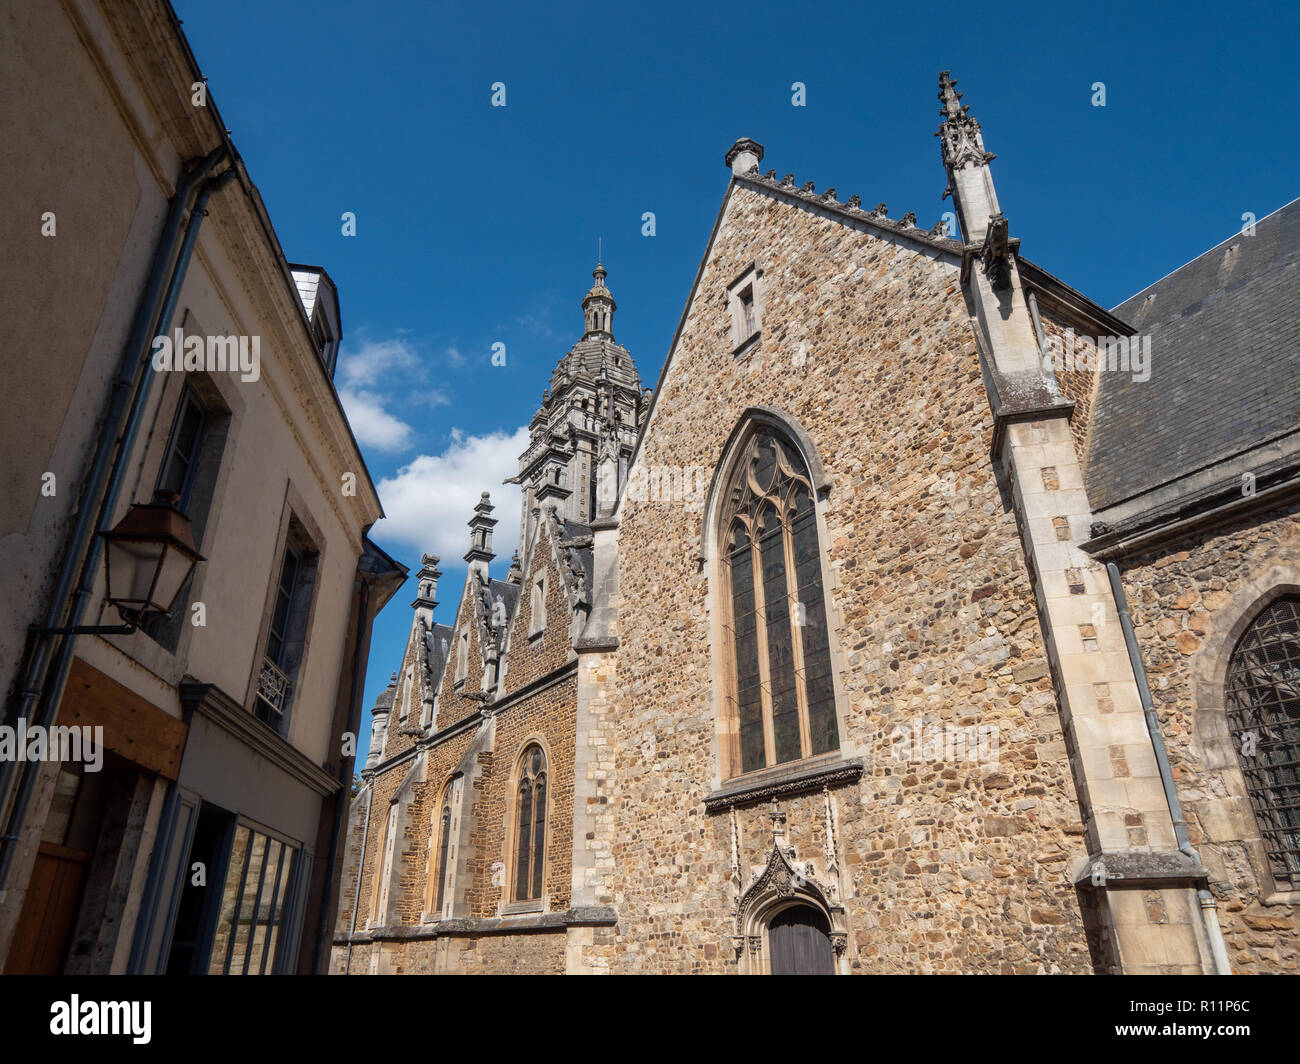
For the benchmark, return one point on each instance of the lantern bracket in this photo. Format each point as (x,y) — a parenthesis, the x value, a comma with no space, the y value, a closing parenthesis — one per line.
(86,629)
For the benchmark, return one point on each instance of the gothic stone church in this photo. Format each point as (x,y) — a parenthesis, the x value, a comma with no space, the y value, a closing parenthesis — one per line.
(901,628)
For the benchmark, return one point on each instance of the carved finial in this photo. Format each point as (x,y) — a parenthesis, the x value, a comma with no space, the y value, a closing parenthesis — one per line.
(829,194)
(880,210)
(855,201)
(950,97)
(940,228)
(744,156)
(778,825)
(808,187)
(960,137)
(788,181)
(909,219)
(770,175)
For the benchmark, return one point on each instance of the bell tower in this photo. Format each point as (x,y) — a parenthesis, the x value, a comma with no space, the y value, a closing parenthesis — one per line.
(583,433)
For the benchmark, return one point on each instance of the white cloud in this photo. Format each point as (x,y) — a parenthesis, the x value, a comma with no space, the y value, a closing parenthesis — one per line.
(454,356)
(429,501)
(374,359)
(372,425)
(435,397)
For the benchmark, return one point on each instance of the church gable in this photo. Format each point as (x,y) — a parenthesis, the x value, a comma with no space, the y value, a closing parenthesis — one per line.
(850,346)
(462,677)
(554,597)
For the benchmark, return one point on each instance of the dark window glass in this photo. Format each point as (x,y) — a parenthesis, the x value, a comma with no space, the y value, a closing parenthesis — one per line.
(780,652)
(524,854)
(530,845)
(1263,708)
(811,609)
(283,605)
(181,461)
(539,834)
(444,843)
(749,699)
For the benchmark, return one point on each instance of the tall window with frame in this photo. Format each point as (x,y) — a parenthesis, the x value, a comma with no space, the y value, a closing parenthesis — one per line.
(273,684)
(179,474)
(444,846)
(1263,710)
(780,692)
(180,463)
(530,825)
(288,618)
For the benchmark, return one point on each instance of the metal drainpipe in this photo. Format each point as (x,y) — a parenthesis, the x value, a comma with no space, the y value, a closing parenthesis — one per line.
(356,893)
(326,932)
(51,690)
(1209,909)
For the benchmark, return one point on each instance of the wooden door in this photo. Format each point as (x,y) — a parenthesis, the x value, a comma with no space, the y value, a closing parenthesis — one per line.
(59,874)
(49,911)
(800,942)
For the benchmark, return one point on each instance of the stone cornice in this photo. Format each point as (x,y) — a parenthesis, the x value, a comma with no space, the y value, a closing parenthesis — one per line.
(1125,870)
(781,783)
(581,916)
(851,212)
(214,705)
(1071,300)
(1207,509)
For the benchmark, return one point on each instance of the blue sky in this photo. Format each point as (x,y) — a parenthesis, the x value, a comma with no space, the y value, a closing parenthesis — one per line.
(478,225)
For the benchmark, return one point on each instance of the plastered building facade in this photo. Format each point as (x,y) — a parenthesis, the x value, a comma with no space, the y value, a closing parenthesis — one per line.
(903,629)
(207,838)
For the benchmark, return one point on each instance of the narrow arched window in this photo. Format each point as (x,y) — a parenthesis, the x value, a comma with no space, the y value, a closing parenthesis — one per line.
(1263,709)
(781,696)
(530,825)
(444,845)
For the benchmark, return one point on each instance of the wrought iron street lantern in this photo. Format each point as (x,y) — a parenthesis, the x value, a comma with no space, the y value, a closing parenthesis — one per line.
(149,556)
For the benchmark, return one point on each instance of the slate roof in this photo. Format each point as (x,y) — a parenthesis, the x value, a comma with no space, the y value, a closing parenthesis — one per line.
(1225,365)
(308,282)
(387,695)
(438,640)
(509,596)
(586,357)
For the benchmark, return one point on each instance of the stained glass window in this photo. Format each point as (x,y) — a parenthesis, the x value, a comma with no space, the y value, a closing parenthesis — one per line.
(781,690)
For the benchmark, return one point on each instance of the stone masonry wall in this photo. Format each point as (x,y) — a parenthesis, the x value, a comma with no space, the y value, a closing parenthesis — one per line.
(1189,601)
(947,866)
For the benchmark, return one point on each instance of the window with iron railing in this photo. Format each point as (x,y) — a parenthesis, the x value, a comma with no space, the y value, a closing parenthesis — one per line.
(286,629)
(1263,709)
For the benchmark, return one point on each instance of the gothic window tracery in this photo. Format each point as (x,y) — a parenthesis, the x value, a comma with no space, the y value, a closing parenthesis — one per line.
(1263,710)
(781,694)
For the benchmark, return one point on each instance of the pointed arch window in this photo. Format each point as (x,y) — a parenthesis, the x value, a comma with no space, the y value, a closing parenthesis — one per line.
(780,696)
(530,825)
(1263,710)
(444,846)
